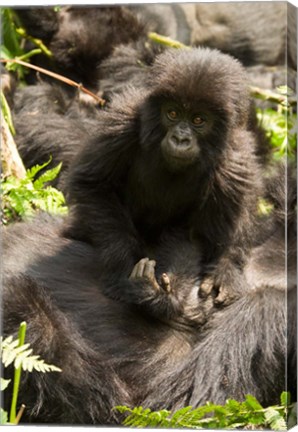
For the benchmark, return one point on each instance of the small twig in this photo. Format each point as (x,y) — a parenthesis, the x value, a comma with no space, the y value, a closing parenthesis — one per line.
(59,77)
(19,415)
(30,54)
(11,162)
(271,96)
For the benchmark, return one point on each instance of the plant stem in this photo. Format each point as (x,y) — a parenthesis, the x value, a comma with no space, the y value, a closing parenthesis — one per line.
(269,95)
(36,41)
(17,376)
(164,40)
(6,113)
(30,54)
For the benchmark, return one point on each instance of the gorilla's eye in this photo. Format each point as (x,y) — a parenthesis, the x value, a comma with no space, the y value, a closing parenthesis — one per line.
(172,115)
(198,121)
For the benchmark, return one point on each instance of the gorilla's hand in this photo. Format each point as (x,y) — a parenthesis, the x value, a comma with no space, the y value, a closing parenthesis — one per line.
(226,284)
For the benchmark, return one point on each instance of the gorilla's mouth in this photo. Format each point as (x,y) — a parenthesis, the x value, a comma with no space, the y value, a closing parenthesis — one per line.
(177,157)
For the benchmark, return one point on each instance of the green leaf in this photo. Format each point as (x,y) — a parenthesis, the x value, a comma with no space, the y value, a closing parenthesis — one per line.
(23,197)
(248,414)
(10,37)
(281,129)
(275,419)
(4,417)
(4,383)
(5,53)
(285,399)
(252,403)
(47,176)
(31,172)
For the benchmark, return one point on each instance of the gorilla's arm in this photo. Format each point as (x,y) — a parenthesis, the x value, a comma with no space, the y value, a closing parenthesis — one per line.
(97,214)
(228,218)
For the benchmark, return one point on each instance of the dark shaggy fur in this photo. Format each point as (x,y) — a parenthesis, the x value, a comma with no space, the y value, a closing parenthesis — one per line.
(81,37)
(253,35)
(143,172)
(51,124)
(113,353)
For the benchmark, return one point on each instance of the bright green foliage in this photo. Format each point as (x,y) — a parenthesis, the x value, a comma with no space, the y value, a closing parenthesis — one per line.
(10,38)
(11,41)
(22,197)
(13,36)
(281,129)
(249,414)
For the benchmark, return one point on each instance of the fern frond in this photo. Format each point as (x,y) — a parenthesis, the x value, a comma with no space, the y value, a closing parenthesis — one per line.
(140,417)
(232,415)
(275,419)
(21,356)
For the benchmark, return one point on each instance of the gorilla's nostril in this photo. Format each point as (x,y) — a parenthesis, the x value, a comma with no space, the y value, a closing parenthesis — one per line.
(175,139)
(185,142)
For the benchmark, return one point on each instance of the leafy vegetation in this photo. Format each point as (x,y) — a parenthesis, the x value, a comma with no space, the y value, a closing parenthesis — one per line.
(13,43)
(21,198)
(233,415)
(281,127)
(19,354)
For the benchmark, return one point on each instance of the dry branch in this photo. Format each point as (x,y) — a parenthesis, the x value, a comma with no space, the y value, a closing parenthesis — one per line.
(11,162)
(59,77)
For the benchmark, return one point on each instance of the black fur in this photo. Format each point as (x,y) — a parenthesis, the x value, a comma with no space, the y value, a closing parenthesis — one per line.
(51,124)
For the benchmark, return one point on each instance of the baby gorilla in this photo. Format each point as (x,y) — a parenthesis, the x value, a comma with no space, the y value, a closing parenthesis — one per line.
(174,153)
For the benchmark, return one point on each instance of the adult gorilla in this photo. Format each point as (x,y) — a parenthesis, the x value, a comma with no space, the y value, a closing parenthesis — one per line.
(113,353)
